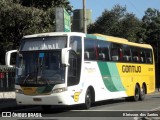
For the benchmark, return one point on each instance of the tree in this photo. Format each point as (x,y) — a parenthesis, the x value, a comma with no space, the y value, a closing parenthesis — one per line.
(45,4)
(117,22)
(151,22)
(130,28)
(107,21)
(17,20)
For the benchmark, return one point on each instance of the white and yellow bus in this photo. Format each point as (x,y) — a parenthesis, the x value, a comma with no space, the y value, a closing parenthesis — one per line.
(68,68)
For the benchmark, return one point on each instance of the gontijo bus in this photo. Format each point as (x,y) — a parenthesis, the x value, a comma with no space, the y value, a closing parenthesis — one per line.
(71,68)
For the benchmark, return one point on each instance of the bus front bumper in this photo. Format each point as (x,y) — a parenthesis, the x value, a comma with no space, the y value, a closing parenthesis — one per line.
(63,98)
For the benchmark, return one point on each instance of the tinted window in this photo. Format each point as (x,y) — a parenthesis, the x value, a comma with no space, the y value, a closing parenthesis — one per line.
(76,44)
(135,54)
(142,56)
(126,53)
(103,50)
(43,43)
(91,50)
(107,51)
(116,52)
(149,58)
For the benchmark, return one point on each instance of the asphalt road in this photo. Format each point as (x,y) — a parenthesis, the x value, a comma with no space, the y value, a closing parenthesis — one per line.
(118,109)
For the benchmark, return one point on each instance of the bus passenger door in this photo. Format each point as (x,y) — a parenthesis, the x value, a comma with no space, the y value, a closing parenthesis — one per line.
(75,59)
(72,69)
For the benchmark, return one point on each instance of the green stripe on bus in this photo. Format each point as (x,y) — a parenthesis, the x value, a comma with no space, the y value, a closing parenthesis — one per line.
(115,76)
(95,37)
(106,76)
(91,36)
(110,76)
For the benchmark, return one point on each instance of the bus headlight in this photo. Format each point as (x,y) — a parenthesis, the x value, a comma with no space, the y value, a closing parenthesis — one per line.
(19,91)
(59,90)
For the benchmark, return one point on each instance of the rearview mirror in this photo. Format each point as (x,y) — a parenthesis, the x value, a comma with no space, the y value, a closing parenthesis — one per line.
(65,56)
(8,57)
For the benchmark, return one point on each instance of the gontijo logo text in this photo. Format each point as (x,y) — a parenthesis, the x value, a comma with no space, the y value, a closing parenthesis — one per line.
(131,69)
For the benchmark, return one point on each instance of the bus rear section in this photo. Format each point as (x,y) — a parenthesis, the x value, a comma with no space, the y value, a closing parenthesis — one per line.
(117,68)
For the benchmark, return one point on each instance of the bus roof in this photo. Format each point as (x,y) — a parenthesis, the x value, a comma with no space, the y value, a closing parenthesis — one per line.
(95,36)
(55,34)
(118,40)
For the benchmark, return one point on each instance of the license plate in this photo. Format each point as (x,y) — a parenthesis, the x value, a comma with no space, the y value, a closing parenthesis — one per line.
(37,99)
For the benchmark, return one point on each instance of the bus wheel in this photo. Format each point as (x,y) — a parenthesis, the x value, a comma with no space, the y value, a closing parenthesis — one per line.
(142,93)
(46,107)
(136,94)
(88,99)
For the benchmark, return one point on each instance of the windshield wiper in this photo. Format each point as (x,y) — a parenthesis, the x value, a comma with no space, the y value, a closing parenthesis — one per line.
(26,78)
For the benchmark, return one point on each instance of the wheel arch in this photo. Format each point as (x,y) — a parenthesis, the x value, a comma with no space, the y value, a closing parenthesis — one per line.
(137,85)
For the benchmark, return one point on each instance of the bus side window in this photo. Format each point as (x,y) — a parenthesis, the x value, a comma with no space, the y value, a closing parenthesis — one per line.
(75,44)
(103,49)
(149,56)
(116,52)
(135,54)
(90,49)
(142,56)
(126,53)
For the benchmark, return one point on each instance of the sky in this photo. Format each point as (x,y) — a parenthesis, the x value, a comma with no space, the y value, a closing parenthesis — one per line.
(137,7)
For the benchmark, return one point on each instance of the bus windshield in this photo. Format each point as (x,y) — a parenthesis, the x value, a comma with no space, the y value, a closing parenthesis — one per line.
(37,68)
(43,43)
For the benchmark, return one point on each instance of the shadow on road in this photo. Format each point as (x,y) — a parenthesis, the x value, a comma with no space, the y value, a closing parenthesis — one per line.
(60,109)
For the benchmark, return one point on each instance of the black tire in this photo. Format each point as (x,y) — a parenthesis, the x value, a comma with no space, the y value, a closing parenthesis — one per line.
(136,94)
(46,107)
(142,93)
(88,99)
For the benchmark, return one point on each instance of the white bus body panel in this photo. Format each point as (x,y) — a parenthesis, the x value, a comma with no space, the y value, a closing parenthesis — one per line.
(92,77)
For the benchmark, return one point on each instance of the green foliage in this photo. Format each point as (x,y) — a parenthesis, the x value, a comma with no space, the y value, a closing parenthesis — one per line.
(130,28)
(117,22)
(151,24)
(107,21)
(45,4)
(18,19)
